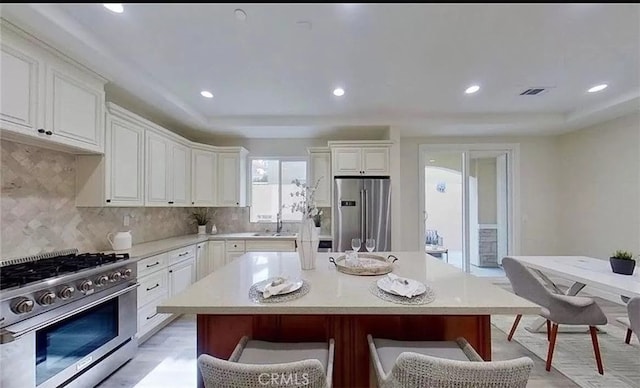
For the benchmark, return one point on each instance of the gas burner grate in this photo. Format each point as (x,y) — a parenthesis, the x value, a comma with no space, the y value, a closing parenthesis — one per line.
(22,273)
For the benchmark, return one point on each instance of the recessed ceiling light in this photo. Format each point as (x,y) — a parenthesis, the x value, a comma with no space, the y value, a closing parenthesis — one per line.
(338,92)
(206,93)
(117,8)
(597,88)
(240,14)
(432,160)
(472,89)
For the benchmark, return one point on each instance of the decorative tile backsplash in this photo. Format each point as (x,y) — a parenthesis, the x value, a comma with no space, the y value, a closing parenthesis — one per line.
(236,219)
(38,212)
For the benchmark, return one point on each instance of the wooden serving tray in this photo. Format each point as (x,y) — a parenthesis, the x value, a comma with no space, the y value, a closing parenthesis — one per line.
(372,264)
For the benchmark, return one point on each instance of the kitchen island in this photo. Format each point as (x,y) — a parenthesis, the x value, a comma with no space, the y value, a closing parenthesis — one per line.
(342,307)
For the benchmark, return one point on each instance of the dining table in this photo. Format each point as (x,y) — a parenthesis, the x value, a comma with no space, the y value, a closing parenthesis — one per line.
(583,272)
(343,307)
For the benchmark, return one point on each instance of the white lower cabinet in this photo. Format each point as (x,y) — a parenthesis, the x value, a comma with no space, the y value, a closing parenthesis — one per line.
(210,259)
(161,277)
(231,256)
(181,276)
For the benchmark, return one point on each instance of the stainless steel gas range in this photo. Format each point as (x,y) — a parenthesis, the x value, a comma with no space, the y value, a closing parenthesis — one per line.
(66,319)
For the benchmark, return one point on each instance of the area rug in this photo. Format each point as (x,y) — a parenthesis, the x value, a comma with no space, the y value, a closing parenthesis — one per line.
(574,356)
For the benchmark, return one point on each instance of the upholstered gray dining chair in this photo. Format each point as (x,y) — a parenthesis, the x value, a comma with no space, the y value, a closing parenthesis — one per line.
(633,308)
(255,364)
(556,308)
(442,364)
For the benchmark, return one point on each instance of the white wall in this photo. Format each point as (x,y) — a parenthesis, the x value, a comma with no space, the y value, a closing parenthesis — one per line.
(538,185)
(599,192)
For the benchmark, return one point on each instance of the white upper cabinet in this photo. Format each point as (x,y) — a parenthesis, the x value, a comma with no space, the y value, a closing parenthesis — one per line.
(117,177)
(347,161)
(320,168)
(47,100)
(181,175)
(158,172)
(20,74)
(124,153)
(168,171)
(203,181)
(232,187)
(75,107)
(362,159)
(375,161)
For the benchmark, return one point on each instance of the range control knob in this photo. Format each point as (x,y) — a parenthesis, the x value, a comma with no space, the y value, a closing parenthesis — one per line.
(127,273)
(86,286)
(47,298)
(22,305)
(102,280)
(66,292)
(114,277)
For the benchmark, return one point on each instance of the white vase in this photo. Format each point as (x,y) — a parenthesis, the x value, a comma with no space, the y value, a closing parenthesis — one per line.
(202,229)
(307,240)
(214,230)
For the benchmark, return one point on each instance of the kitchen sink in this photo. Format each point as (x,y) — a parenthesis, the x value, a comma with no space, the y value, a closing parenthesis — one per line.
(271,234)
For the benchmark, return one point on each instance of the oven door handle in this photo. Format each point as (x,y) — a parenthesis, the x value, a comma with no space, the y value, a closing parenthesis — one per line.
(8,335)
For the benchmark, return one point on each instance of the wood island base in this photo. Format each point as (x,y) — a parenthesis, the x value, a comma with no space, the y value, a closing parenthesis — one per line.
(219,334)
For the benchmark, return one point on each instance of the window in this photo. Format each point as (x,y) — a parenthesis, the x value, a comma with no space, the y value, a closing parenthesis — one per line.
(271,188)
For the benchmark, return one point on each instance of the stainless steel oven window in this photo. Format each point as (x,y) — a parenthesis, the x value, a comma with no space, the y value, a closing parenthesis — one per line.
(60,345)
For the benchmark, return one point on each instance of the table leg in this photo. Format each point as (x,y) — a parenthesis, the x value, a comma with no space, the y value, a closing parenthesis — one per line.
(539,325)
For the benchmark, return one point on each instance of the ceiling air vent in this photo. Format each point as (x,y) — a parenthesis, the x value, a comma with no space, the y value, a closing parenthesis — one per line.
(533,91)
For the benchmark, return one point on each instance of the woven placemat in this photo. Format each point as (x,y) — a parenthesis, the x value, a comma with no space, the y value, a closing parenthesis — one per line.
(427,297)
(256,296)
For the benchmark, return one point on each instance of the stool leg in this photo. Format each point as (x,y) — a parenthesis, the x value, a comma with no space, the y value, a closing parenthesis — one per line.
(596,348)
(513,328)
(552,344)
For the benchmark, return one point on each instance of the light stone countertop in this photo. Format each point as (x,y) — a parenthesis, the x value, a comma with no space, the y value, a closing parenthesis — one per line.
(457,293)
(152,248)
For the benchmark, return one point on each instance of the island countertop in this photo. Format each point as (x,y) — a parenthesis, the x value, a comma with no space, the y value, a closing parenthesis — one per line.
(332,292)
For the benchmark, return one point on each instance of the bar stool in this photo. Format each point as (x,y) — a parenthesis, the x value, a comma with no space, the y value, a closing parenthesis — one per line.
(256,364)
(442,364)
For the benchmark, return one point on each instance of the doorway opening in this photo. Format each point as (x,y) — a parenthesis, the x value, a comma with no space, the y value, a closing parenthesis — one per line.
(467,201)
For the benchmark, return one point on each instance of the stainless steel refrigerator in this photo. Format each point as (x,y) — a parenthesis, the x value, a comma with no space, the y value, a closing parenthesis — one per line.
(361,209)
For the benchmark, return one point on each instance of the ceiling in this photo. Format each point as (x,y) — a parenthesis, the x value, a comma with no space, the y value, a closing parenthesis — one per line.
(401,65)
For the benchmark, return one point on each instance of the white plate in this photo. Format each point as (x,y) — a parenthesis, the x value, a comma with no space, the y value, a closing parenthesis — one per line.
(295,287)
(385,284)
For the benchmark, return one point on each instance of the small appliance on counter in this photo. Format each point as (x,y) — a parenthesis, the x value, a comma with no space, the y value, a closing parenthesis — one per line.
(121,241)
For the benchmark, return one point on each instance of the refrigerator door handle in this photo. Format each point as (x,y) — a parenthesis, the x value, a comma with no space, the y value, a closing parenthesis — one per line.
(362,219)
(366,216)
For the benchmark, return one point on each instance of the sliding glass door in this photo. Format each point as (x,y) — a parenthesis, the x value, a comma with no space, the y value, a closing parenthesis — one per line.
(467,203)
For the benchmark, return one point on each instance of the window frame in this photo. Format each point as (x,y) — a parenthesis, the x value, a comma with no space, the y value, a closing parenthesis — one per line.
(280,159)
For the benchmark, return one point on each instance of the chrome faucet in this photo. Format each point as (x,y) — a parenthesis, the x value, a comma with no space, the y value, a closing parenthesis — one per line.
(279,223)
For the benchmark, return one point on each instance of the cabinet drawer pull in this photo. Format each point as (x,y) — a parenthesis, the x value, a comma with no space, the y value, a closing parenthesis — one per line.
(182,254)
(153,265)
(151,288)
(170,202)
(49,133)
(151,316)
(41,130)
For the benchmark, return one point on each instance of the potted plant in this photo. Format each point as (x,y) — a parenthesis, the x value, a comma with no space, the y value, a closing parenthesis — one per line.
(201,217)
(622,262)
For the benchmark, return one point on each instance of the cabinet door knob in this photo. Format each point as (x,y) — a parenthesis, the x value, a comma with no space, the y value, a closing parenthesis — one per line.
(49,133)
(108,201)
(41,130)
(237,203)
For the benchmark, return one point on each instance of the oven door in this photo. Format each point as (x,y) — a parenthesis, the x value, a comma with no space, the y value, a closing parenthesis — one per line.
(59,349)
